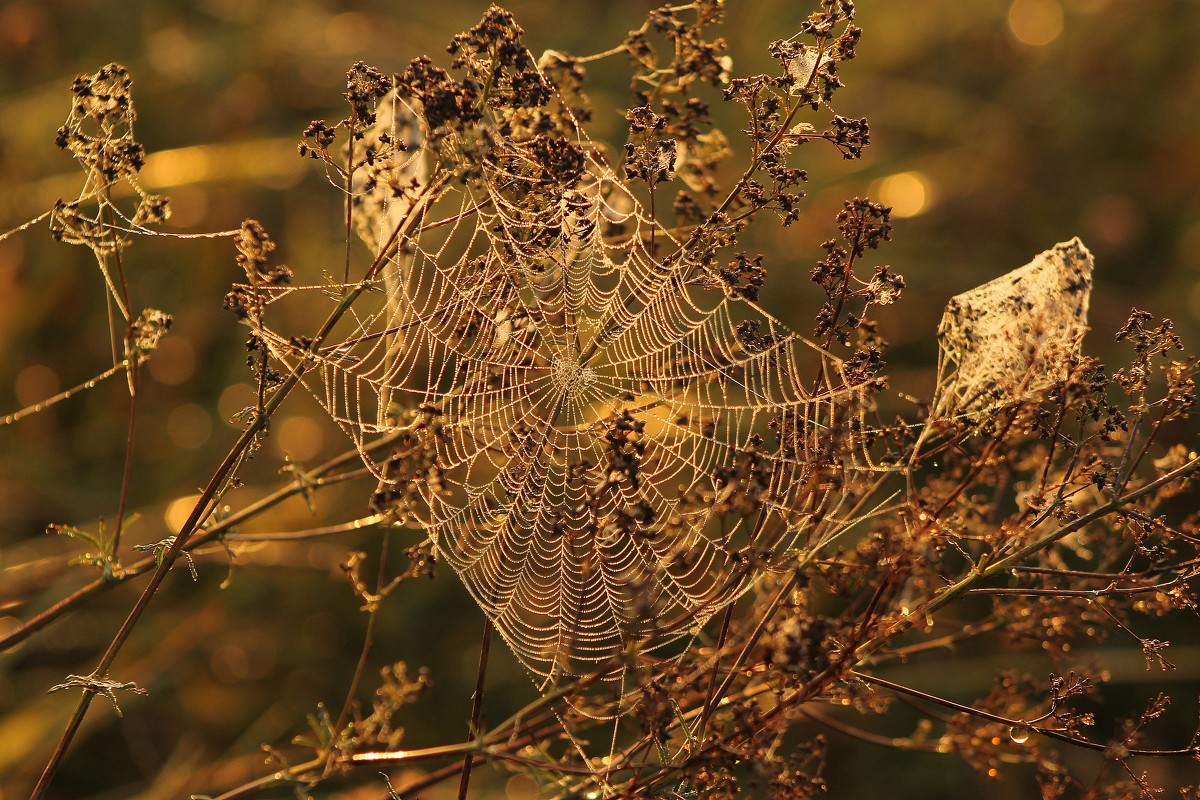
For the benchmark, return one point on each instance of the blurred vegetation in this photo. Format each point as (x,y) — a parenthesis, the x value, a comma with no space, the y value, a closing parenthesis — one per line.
(998,129)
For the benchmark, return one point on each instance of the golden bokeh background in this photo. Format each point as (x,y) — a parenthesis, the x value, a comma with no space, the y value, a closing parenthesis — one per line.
(999,127)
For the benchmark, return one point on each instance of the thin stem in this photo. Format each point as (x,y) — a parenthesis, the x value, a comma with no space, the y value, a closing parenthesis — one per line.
(1048,732)
(37,408)
(476,706)
(310,533)
(653,223)
(368,637)
(712,678)
(267,781)
(127,471)
(131,358)
(902,743)
(349,191)
(25,225)
(759,630)
(613,51)
(1088,593)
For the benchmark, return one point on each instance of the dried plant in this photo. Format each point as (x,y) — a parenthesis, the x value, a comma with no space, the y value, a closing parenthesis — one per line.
(710,539)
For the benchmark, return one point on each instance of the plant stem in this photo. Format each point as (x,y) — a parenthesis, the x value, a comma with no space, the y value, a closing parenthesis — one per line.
(476,706)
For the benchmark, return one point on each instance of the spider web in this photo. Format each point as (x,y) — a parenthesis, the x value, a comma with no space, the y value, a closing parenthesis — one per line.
(605,440)
(1012,338)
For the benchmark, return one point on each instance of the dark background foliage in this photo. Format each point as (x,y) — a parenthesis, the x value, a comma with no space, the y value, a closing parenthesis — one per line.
(998,129)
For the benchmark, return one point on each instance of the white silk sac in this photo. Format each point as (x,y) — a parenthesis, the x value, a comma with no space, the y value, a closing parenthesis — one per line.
(1013,338)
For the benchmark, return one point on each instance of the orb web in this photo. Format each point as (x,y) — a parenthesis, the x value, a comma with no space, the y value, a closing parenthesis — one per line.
(605,440)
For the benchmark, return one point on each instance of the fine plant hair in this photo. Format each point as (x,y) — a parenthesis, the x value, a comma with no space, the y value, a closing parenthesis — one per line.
(712,541)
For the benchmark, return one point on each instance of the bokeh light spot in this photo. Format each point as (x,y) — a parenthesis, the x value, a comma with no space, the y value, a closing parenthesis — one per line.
(36,383)
(1087,6)
(521,787)
(907,193)
(326,556)
(173,362)
(178,511)
(244,656)
(300,437)
(348,33)
(189,426)
(1035,22)
(235,399)
(8,625)
(174,51)
(11,252)
(189,206)
(21,23)
(1189,247)
(1112,219)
